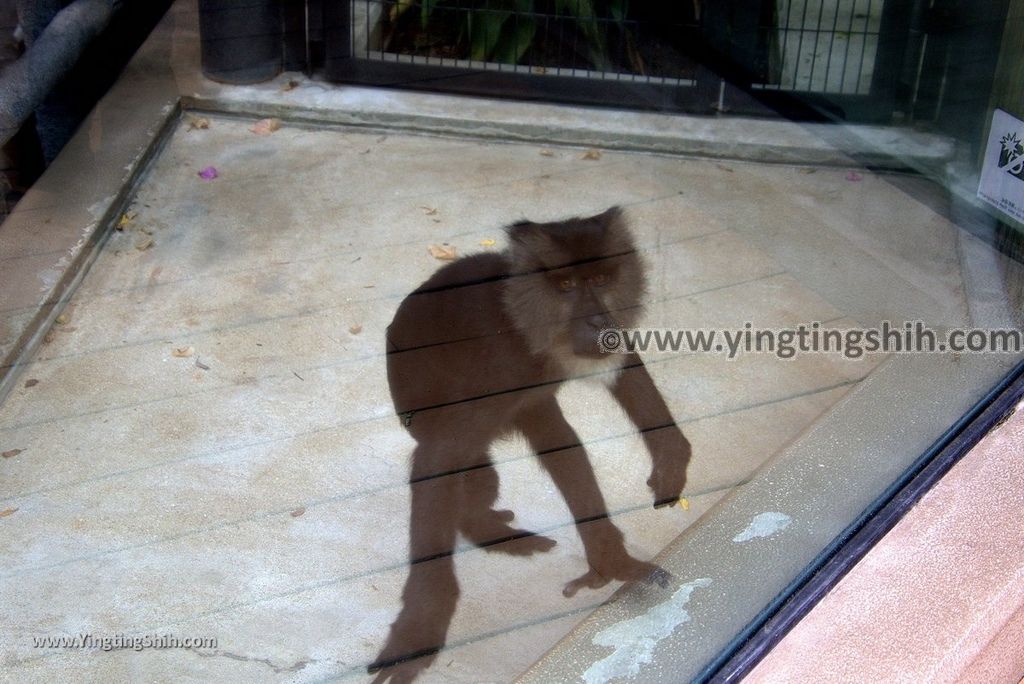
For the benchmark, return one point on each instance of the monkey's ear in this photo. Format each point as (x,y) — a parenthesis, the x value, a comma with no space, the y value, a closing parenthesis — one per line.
(518,228)
(612,218)
(532,246)
(527,234)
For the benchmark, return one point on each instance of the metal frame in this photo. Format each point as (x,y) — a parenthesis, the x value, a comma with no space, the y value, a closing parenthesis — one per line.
(729,76)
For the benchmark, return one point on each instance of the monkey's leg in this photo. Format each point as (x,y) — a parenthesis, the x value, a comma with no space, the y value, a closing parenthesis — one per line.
(670,451)
(564,458)
(431,589)
(489,528)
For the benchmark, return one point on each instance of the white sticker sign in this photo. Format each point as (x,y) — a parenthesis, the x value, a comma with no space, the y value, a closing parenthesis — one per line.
(1002,172)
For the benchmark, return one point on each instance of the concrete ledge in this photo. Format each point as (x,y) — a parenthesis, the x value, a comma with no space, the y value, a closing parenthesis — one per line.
(54,232)
(759,140)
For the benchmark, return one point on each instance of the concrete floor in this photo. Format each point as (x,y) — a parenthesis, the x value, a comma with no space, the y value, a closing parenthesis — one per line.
(256,490)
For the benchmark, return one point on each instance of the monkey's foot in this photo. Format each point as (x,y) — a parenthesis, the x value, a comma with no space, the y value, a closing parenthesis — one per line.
(633,570)
(491,532)
(514,542)
(524,545)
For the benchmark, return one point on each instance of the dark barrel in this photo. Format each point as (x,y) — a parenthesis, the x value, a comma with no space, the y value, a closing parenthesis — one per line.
(240,39)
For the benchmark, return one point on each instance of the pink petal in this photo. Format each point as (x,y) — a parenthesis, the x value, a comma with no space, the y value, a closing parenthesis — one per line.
(209,173)
(854,176)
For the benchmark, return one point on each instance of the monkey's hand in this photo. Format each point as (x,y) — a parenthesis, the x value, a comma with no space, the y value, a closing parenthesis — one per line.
(670,453)
(668,475)
(629,570)
(389,671)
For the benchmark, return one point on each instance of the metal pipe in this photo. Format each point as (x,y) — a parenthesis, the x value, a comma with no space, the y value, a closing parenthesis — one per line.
(35,15)
(25,83)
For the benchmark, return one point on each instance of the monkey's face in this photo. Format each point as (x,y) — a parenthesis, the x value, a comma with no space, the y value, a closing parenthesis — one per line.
(589,298)
(572,279)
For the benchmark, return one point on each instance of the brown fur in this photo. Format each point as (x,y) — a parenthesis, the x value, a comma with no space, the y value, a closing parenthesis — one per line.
(479,351)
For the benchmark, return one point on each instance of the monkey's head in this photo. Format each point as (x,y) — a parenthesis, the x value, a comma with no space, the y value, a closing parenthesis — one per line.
(571,279)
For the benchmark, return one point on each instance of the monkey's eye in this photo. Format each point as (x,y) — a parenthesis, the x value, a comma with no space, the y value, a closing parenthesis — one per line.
(567,284)
(600,280)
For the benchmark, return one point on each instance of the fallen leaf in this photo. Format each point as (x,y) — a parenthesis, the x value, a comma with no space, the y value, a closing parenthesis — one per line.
(442,252)
(547,153)
(355,329)
(724,168)
(290,85)
(7,511)
(591,154)
(266,126)
(11,453)
(487,242)
(62,319)
(684,503)
(144,244)
(144,230)
(31,382)
(48,337)
(197,122)
(808,171)
(429,211)
(125,219)
(854,176)
(209,173)
(183,352)
(298,511)
(200,365)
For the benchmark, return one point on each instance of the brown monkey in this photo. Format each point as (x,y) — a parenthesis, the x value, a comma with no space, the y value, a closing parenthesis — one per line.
(477,352)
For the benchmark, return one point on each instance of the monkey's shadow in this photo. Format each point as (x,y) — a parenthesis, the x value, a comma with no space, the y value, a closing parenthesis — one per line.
(479,351)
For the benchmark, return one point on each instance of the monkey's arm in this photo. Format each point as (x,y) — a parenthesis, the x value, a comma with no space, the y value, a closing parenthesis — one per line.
(670,451)
(564,458)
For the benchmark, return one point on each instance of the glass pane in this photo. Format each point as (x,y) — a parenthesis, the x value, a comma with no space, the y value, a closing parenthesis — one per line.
(350,381)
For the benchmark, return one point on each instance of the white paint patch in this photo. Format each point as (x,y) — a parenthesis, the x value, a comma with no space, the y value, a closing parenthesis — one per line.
(634,639)
(763,525)
(97,209)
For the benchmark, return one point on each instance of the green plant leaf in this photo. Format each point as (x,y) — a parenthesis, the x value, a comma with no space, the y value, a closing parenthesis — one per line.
(618,9)
(426,9)
(585,15)
(515,40)
(399,8)
(485,32)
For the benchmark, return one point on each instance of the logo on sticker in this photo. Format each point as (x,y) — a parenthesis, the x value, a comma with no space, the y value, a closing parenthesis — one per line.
(1011,155)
